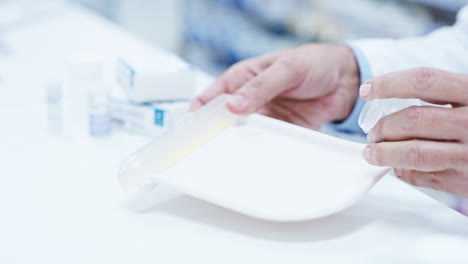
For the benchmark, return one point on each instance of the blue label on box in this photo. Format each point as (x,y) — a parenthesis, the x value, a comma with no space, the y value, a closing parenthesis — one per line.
(159,117)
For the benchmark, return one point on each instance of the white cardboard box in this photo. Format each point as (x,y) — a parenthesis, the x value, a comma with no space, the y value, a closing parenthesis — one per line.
(159,77)
(149,119)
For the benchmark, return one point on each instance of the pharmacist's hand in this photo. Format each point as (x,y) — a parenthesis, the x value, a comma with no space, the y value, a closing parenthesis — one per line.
(427,146)
(308,85)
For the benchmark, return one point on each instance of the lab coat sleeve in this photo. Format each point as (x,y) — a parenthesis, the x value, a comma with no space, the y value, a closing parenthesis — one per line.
(445,48)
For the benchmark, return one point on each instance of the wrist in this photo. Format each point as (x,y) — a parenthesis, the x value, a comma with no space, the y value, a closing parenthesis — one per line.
(348,82)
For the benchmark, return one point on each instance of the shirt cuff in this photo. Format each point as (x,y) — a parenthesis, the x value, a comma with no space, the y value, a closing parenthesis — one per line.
(350,124)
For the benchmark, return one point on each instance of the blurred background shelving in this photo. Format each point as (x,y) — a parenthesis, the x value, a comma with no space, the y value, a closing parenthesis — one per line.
(218,33)
(214,34)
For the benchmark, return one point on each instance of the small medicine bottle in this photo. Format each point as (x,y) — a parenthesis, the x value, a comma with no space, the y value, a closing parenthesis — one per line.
(89,95)
(100,120)
(55,117)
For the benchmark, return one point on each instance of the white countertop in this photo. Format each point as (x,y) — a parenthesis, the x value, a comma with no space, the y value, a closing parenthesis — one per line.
(60,201)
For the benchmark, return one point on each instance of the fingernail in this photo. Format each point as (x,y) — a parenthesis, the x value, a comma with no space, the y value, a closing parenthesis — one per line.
(365,90)
(367,153)
(237,101)
(398,172)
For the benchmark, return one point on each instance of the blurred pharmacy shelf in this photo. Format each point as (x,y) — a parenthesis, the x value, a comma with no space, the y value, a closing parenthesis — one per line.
(218,33)
(447,5)
(214,34)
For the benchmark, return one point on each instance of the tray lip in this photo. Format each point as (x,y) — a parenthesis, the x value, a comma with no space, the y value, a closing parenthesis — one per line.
(282,218)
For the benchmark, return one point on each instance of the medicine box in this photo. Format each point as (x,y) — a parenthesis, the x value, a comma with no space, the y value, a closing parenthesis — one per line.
(148,119)
(159,77)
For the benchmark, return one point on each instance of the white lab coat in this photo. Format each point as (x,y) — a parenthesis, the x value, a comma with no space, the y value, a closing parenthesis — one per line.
(445,48)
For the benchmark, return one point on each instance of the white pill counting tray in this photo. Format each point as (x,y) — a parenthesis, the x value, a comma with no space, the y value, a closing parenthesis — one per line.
(255,165)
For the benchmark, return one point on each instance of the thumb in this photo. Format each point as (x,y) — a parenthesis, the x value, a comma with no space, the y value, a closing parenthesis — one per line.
(254,94)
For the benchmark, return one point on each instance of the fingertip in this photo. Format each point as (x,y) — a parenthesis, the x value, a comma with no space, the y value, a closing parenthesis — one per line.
(405,175)
(195,105)
(237,104)
(371,137)
(398,172)
(366,153)
(365,91)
